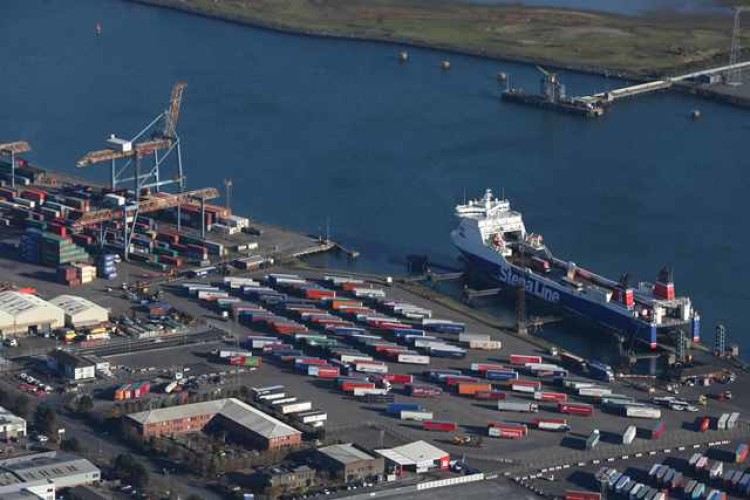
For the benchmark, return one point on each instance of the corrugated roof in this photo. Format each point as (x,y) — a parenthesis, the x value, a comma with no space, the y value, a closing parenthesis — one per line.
(44,466)
(413,453)
(73,304)
(345,453)
(231,409)
(16,304)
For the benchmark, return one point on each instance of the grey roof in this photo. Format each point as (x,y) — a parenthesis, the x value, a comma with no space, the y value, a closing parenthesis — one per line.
(17,304)
(345,453)
(50,465)
(43,466)
(6,417)
(73,304)
(232,409)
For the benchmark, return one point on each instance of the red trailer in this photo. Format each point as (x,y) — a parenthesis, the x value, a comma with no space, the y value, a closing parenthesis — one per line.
(451,381)
(349,386)
(581,410)
(522,359)
(705,424)
(483,367)
(423,391)
(557,397)
(658,430)
(397,378)
(507,431)
(435,425)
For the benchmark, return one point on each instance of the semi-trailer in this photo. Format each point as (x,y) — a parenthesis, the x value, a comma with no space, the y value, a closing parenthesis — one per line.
(520,406)
(551,424)
(581,410)
(440,426)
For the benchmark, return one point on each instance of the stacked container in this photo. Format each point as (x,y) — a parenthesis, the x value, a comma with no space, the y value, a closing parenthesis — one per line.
(106,266)
(29,248)
(68,275)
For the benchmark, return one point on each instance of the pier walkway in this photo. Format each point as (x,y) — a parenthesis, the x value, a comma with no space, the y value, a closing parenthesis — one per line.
(642,88)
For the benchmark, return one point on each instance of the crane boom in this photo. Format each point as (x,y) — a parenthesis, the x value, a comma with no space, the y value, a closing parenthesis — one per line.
(148,204)
(16,147)
(140,149)
(171,116)
(543,71)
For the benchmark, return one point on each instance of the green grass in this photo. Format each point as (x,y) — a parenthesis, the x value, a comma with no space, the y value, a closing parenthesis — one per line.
(633,45)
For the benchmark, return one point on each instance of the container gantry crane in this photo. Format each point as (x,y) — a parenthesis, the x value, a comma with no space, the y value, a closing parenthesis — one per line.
(162,138)
(12,149)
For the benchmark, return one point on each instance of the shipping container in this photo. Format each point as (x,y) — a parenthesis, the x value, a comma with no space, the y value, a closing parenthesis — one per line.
(522,359)
(489,395)
(414,359)
(632,411)
(423,391)
(582,495)
(296,407)
(520,406)
(418,415)
(435,425)
(551,424)
(593,439)
(581,410)
(397,378)
(658,430)
(629,434)
(395,408)
(557,397)
(740,453)
(471,388)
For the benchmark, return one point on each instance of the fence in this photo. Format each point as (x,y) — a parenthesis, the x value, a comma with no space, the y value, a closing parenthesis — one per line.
(450,481)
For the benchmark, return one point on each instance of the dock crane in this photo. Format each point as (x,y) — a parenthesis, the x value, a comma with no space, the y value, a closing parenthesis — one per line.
(551,87)
(12,149)
(134,150)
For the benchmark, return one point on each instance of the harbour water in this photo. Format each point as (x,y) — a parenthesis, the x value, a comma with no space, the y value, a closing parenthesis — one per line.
(314,130)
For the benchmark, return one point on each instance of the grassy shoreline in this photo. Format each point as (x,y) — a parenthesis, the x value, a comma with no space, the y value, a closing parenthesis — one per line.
(632,47)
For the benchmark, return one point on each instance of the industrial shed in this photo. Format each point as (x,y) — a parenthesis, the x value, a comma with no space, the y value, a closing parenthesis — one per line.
(80,311)
(22,313)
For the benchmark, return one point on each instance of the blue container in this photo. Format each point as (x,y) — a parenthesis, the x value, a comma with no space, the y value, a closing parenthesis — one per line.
(501,375)
(396,408)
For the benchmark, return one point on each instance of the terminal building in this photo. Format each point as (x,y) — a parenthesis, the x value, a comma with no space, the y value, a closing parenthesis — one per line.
(349,463)
(40,475)
(80,312)
(23,313)
(11,426)
(418,457)
(244,423)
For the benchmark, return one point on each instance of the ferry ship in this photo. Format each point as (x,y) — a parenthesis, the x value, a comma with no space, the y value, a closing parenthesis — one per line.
(493,239)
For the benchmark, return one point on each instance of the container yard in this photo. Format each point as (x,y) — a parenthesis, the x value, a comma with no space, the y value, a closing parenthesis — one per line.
(330,351)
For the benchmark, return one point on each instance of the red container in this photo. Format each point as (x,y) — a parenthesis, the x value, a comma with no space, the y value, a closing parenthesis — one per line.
(328,372)
(557,397)
(397,378)
(490,395)
(317,294)
(705,424)
(451,381)
(658,431)
(310,361)
(434,425)
(582,495)
(483,367)
(423,391)
(580,410)
(522,359)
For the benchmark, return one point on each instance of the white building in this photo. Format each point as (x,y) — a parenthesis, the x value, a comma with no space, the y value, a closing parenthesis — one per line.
(71,366)
(11,426)
(22,313)
(38,475)
(418,456)
(80,311)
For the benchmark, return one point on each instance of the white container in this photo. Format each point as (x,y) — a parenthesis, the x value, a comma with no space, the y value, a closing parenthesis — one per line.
(522,388)
(629,435)
(371,368)
(308,417)
(486,345)
(413,359)
(353,358)
(367,391)
(416,415)
(296,407)
(284,401)
(642,412)
(517,406)
(596,392)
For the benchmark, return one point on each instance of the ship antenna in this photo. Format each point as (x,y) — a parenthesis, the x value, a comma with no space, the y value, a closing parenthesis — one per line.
(464,196)
(503,193)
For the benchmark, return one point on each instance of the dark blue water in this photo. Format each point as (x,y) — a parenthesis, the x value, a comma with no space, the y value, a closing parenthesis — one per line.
(626,7)
(311,129)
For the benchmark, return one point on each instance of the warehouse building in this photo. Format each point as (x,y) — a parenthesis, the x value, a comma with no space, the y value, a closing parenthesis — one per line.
(41,474)
(349,463)
(418,457)
(11,426)
(22,313)
(244,423)
(79,311)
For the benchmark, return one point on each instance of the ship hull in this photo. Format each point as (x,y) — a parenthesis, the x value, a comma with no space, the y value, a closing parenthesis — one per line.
(609,316)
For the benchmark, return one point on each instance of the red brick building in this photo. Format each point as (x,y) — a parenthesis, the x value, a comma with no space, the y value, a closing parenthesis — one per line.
(242,420)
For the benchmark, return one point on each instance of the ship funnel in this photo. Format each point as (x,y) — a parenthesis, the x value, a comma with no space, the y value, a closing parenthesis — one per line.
(664,287)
